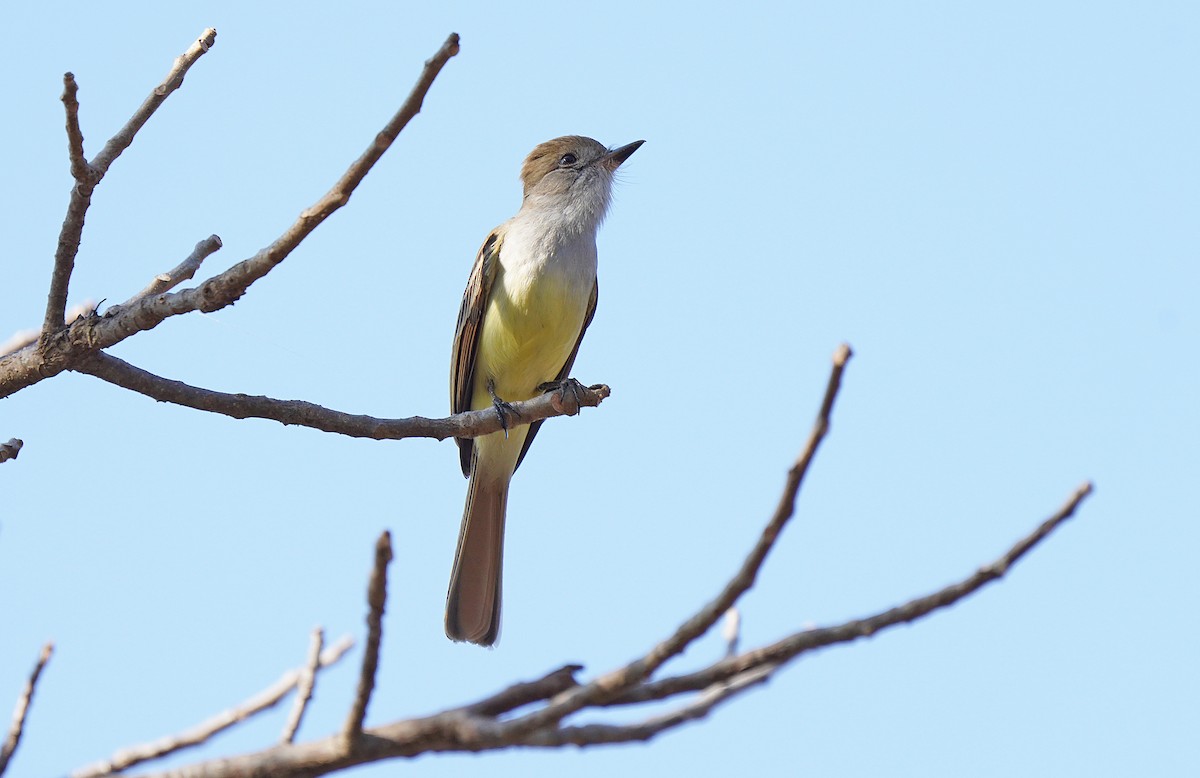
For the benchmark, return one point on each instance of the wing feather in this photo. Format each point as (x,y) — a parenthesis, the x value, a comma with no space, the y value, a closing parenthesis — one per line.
(466,336)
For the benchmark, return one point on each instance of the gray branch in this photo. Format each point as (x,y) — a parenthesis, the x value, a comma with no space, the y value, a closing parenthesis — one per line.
(17,728)
(88,175)
(63,348)
(487,724)
(264,700)
(468,424)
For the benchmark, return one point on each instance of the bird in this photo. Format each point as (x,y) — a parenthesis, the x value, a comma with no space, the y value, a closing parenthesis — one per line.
(529,300)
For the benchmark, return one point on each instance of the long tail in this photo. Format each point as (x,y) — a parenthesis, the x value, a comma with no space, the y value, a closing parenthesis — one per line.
(473,602)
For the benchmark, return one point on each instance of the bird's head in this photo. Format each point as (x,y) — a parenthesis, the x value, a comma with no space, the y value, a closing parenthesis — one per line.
(573,172)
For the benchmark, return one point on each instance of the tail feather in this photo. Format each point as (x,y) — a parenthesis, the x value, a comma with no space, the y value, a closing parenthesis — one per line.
(473,601)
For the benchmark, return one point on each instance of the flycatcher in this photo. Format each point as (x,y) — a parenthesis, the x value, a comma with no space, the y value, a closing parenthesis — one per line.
(528,302)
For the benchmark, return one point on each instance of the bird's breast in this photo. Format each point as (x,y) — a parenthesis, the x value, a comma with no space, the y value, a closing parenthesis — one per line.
(533,317)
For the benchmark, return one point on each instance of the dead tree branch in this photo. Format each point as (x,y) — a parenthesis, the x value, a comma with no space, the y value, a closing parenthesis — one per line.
(484,725)
(184,271)
(264,700)
(619,681)
(305,414)
(376,601)
(88,175)
(539,713)
(62,348)
(785,650)
(304,687)
(15,730)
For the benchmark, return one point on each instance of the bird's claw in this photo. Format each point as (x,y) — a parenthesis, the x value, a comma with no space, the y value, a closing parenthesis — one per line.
(563,387)
(501,408)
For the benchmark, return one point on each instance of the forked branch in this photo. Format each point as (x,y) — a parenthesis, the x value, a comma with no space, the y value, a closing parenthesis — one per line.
(88,175)
(557,696)
(202,732)
(63,348)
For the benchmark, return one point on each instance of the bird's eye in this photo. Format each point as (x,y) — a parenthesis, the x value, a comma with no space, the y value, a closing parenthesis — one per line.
(567,160)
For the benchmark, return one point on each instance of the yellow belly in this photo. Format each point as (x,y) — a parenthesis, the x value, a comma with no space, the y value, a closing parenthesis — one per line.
(528,334)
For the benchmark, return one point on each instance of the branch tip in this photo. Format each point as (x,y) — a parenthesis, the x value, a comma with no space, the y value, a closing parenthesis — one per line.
(185,270)
(202,732)
(376,602)
(56,354)
(17,728)
(305,685)
(10,449)
(612,685)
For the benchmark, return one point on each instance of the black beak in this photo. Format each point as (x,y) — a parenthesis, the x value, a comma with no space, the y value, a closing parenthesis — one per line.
(613,159)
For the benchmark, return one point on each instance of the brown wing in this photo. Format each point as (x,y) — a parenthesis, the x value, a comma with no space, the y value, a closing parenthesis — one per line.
(466,336)
(566,368)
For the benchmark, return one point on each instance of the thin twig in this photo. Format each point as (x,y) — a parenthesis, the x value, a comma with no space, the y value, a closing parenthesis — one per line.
(26,367)
(811,639)
(17,728)
(267,698)
(376,600)
(10,449)
(227,287)
(304,690)
(184,271)
(173,80)
(69,236)
(618,681)
(468,424)
(70,98)
(595,734)
(88,175)
(526,692)
(476,727)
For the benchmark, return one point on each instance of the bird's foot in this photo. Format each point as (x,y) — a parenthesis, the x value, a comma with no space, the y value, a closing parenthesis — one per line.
(562,389)
(501,408)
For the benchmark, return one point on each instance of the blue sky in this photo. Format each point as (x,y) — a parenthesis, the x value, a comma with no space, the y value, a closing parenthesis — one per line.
(994,203)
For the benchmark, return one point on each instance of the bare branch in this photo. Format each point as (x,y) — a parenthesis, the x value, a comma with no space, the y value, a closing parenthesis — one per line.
(184,271)
(476,727)
(305,414)
(88,176)
(460,729)
(157,97)
(227,287)
(808,640)
(72,229)
(526,692)
(597,734)
(79,164)
(267,698)
(376,600)
(614,683)
(304,690)
(26,367)
(10,449)
(17,728)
